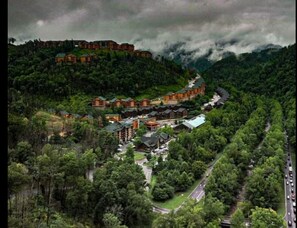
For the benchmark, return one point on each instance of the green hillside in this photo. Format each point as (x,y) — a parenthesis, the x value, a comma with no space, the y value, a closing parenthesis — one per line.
(269,72)
(34,71)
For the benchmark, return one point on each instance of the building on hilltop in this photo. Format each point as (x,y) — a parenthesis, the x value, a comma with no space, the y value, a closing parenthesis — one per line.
(60,58)
(71,58)
(145,54)
(86,58)
(126,47)
(108,44)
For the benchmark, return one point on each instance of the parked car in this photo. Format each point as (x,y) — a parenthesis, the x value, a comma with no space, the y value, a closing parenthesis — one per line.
(286,176)
(288,197)
(293,197)
(292,190)
(289,223)
(292,184)
(294,204)
(291,181)
(287,182)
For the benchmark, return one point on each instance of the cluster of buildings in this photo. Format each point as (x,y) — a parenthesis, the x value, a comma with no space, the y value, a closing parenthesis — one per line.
(94,45)
(144,105)
(102,103)
(188,93)
(155,111)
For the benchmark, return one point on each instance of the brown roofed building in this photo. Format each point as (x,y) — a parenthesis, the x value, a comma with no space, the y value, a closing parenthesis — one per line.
(70,58)
(113,117)
(146,54)
(152,125)
(99,102)
(60,58)
(144,103)
(126,47)
(115,102)
(128,103)
(108,44)
(137,52)
(85,58)
(83,44)
(181,112)
(168,114)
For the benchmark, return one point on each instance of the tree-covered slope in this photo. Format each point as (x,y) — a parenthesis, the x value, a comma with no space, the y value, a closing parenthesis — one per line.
(34,71)
(269,72)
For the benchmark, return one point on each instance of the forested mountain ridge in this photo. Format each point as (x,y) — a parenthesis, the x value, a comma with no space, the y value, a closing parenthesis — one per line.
(33,70)
(268,72)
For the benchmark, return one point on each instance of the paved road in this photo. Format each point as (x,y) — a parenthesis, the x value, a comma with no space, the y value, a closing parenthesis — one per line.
(290,215)
(198,192)
(160,210)
(146,170)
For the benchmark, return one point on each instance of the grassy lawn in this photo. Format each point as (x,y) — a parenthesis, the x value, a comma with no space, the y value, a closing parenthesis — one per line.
(138,156)
(153,182)
(157,91)
(178,198)
(282,206)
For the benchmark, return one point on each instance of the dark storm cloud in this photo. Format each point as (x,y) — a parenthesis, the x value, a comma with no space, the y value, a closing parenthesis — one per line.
(153,24)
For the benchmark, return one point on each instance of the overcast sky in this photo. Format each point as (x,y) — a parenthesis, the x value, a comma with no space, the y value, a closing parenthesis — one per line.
(153,24)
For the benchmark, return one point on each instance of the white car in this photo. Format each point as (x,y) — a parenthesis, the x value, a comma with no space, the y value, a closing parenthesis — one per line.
(288,197)
(291,181)
(287,182)
(292,185)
